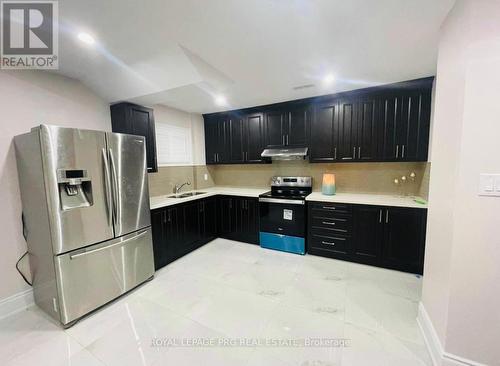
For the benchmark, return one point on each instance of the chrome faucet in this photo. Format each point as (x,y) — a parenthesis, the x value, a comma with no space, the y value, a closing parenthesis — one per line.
(178,188)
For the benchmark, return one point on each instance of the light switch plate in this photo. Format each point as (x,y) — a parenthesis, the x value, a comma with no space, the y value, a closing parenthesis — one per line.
(489,184)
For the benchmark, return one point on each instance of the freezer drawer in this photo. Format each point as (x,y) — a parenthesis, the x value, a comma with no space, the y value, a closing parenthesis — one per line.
(89,278)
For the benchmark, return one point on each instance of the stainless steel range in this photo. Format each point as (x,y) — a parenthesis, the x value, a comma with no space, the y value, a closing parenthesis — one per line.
(283,214)
(86,217)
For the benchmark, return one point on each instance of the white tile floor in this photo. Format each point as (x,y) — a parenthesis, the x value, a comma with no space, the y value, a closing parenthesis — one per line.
(228,291)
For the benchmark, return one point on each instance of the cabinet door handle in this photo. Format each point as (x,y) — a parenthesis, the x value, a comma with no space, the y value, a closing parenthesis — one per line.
(328,223)
(169,216)
(354,153)
(164,217)
(380,216)
(359,152)
(327,243)
(287,140)
(397,151)
(328,208)
(387,216)
(335,153)
(403,151)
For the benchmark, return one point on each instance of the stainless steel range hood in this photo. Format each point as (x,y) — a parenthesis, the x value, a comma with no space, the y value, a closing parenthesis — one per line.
(285,154)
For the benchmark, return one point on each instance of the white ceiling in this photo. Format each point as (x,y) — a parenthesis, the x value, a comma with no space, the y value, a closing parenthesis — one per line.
(183,52)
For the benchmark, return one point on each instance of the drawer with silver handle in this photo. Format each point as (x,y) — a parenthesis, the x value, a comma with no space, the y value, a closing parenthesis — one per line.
(340,225)
(320,208)
(332,243)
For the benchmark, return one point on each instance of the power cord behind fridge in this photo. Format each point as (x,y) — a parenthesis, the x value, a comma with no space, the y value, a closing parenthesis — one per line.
(25,235)
(20,272)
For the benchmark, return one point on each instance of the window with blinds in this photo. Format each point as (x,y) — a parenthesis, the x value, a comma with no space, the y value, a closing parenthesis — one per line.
(174,145)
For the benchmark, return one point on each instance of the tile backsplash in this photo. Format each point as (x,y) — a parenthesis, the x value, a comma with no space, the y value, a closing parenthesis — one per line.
(164,181)
(350,177)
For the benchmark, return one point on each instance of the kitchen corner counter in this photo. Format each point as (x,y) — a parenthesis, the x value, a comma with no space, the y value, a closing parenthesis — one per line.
(367,199)
(164,201)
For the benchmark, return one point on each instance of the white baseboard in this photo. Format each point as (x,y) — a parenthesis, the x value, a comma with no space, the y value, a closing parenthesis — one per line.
(430,336)
(438,355)
(15,303)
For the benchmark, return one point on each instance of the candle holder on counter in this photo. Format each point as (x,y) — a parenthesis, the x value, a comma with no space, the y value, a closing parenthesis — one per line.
(328,188)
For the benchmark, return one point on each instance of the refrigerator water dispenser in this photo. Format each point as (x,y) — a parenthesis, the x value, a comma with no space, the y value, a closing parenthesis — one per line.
(75,189)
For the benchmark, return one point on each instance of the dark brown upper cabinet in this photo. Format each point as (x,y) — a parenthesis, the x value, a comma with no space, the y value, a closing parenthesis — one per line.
(383,123)
(347,130)
(234,138)
(298,126)
(405,125)
(366,129)
(136,120)
(253,137)
(325,132)
(217,139)
(245,138)
(275,129)
(344,130)
(287,127)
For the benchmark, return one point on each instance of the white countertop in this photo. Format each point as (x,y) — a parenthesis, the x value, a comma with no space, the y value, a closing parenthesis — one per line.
(367,199)
(353,198)
(163,201)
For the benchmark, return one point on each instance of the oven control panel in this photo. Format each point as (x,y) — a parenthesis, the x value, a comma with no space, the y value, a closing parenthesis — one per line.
(291,181)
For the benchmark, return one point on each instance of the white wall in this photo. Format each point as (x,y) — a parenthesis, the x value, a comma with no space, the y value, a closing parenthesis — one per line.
(193,121)
(29,98)
(461,289)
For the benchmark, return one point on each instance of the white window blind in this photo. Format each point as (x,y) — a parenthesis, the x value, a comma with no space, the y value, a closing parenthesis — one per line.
(174,144)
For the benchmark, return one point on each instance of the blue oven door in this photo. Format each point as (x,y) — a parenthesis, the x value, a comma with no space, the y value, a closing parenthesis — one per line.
(282,224)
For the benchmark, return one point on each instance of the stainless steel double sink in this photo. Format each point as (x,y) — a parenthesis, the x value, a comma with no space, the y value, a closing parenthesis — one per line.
(185,195)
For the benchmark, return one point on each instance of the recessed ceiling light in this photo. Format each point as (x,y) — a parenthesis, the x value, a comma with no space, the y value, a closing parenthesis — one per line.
(329,79)
(221,100)
(86,38)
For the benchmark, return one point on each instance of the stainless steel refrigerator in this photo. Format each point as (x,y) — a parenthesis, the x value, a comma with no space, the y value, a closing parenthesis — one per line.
(86,217)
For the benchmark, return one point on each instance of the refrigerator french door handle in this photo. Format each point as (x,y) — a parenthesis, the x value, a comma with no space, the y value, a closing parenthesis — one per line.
(117,214)
(121,242)
(107,187)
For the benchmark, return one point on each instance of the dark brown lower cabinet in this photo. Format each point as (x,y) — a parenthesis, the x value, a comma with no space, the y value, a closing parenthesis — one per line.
(182,228)
(329,230)
(366,246)
(389,237)
(167,234)
(208,223)
(238,219)
(404,239)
